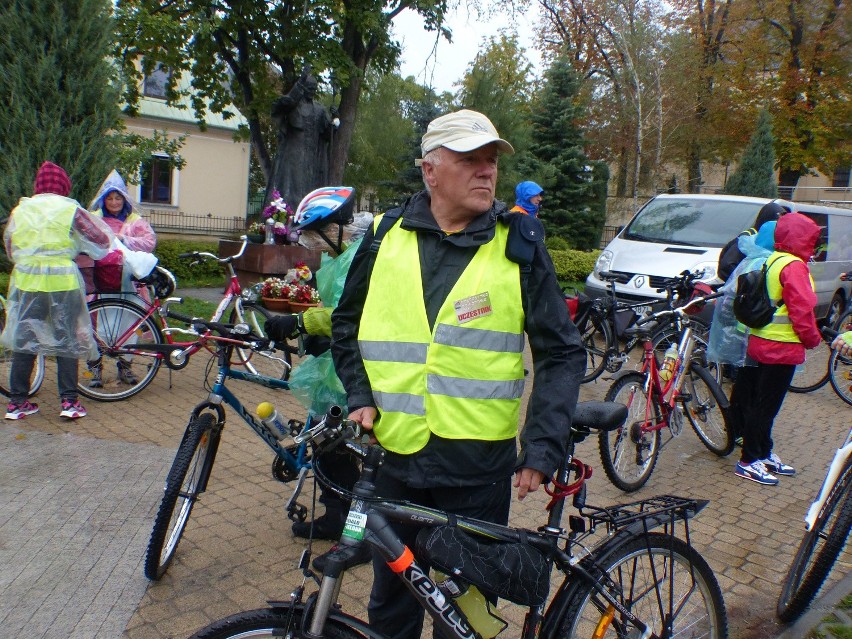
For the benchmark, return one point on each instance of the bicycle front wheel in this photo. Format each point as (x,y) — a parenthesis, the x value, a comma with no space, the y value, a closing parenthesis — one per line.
(819,550)
(121,329)
(663,581)
(270,623)
(185,481)
(703,408)
(37,376)
(629,453)
(597,340)
(840,374)
(257,363)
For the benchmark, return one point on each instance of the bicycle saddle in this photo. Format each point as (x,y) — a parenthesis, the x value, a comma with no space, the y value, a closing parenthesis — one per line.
(599,415)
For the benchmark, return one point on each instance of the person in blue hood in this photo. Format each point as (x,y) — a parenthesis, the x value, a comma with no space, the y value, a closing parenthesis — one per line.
(527,198)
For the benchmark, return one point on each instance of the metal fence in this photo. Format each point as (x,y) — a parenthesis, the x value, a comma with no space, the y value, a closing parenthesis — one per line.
(176,221)
(609,232)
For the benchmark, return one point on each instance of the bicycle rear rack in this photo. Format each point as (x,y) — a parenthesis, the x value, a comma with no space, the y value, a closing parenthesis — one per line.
(660,510)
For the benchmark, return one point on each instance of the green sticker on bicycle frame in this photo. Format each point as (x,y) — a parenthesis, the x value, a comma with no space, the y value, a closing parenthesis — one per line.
(355,524)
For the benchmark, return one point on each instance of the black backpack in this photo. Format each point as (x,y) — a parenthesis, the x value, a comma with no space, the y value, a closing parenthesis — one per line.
(752,305)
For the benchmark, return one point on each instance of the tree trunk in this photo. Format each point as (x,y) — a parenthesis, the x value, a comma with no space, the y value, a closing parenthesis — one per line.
(693,168)
(348,109)
(787,181)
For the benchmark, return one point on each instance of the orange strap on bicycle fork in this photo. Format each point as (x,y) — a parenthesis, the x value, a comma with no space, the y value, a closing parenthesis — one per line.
(403,561)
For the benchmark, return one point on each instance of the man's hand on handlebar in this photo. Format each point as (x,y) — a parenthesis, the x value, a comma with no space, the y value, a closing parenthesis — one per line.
(843,343)
(283,327)
(365,417)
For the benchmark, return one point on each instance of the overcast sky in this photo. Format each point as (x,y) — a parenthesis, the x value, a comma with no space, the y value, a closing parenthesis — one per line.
(448,64)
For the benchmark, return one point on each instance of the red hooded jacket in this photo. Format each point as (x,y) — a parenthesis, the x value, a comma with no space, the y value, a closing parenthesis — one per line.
(796,234)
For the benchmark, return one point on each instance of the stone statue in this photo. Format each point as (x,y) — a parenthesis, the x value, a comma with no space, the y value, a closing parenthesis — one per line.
(305,131)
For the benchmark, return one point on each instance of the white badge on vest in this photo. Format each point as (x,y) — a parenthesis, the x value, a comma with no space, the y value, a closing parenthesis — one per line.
(472,307)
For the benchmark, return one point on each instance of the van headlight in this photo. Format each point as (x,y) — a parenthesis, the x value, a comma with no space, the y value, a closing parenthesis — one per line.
(603,263)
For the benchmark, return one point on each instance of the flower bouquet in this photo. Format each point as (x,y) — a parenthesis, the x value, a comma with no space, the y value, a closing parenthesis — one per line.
(275,294)
(302,297)
(256,232)
(282,216)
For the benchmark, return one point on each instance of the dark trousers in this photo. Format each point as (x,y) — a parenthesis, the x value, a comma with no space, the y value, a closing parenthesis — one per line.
(22,370)
(755,401)
(392,609)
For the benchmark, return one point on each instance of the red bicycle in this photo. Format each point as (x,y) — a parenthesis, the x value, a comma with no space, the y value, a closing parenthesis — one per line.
(629,454)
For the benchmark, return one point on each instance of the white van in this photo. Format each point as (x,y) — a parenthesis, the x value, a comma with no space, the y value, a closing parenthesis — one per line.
(673,233)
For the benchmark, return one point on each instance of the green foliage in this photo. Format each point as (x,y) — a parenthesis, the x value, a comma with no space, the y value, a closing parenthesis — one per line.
(206,271)
(574,205)
(60,96)
(497,83)
(755,174)
(556,244)
(573,265)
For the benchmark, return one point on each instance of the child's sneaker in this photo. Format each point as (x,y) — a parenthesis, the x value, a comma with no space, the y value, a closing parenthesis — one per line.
(756,471)
(774,465)
(19,411)
(72,410)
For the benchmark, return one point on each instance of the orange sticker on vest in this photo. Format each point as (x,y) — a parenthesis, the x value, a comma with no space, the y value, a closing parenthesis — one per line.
(472,307)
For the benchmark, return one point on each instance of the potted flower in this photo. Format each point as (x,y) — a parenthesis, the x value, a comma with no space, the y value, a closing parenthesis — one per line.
(303,297)
(282,217)
(255,232)
(275,294)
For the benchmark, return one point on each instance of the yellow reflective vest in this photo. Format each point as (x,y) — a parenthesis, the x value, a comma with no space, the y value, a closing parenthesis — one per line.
(42,246)
(462,379)
(779,329)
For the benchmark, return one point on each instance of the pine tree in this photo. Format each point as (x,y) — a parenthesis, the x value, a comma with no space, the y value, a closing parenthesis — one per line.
(755,175)
(574,204)
(58,94)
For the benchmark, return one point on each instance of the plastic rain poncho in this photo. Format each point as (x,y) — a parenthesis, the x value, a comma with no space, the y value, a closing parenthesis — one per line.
(46,310)
(728,337)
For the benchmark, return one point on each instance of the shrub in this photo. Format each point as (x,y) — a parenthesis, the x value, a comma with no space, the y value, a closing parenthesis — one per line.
(573,266)
(556,243)
(168,250)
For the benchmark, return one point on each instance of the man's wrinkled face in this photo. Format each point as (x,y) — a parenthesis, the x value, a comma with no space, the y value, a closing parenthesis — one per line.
(468,179)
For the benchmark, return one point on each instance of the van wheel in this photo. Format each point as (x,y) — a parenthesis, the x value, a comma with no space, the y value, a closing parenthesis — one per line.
(835,308)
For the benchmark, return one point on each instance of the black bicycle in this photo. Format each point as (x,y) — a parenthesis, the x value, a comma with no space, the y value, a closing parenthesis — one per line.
(603,323)
(642,579)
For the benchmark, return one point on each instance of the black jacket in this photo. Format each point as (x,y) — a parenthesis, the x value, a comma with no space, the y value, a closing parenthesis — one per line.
(557,352)
(731,255)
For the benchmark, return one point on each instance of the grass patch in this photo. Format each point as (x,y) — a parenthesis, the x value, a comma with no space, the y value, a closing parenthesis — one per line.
(196,308)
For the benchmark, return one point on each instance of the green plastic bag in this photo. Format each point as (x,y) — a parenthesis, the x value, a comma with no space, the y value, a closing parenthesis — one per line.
(331,275)
(316,385)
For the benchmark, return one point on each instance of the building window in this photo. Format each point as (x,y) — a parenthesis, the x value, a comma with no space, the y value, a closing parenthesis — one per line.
(841,177)
(157,181)
(154,85)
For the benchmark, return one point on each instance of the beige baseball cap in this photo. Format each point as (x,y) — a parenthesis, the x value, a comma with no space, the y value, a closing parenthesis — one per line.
(462,131)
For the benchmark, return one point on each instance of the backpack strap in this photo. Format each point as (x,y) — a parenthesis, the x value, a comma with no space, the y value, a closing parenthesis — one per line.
(385,224)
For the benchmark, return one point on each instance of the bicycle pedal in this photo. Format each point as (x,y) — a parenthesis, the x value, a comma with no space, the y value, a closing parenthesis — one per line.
(297,512)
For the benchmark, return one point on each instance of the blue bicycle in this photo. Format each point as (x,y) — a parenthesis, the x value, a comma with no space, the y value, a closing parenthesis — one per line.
(190,471)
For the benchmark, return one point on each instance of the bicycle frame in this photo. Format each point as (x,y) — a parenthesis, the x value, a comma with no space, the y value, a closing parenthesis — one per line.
(842,456)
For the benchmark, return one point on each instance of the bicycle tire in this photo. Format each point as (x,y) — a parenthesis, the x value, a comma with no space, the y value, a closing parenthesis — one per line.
(704,410)
(112,318)
(187,478)
(6,363)
(814,560)
(840,375)
(271,623)
(256,316)
(628,459)
(643,571)
(598,342)
(813,373)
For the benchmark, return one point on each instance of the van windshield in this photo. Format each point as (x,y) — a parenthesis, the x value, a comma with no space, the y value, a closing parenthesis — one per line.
(691,222)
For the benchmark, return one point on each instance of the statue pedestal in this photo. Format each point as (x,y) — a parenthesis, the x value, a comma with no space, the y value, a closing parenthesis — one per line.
(268,260)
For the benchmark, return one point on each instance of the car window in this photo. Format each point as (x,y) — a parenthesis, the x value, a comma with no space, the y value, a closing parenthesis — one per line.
(691,222)
(821,250)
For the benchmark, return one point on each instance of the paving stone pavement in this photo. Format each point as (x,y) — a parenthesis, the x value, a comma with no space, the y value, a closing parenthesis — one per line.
(77,501)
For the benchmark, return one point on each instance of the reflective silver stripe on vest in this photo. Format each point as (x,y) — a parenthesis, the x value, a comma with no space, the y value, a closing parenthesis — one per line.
(33,269)
(400,403)
(405,352)
(780,319)
(37,251)
(482,339)
(474,388)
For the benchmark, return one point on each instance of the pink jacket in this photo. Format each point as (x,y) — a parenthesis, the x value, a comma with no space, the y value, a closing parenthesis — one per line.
(797,234)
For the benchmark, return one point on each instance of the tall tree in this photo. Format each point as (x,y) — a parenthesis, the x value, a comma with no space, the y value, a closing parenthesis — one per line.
(755,174)
(59,95)
(499,84)
(248,52)
(575,187)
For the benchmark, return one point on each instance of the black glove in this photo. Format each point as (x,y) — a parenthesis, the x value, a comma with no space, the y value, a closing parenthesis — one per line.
(282,327)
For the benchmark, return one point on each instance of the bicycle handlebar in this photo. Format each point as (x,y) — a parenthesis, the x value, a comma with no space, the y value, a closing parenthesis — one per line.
(680,310)
(828,334)
(221,260)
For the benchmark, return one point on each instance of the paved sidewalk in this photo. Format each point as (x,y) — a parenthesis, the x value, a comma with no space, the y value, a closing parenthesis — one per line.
(77,501)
